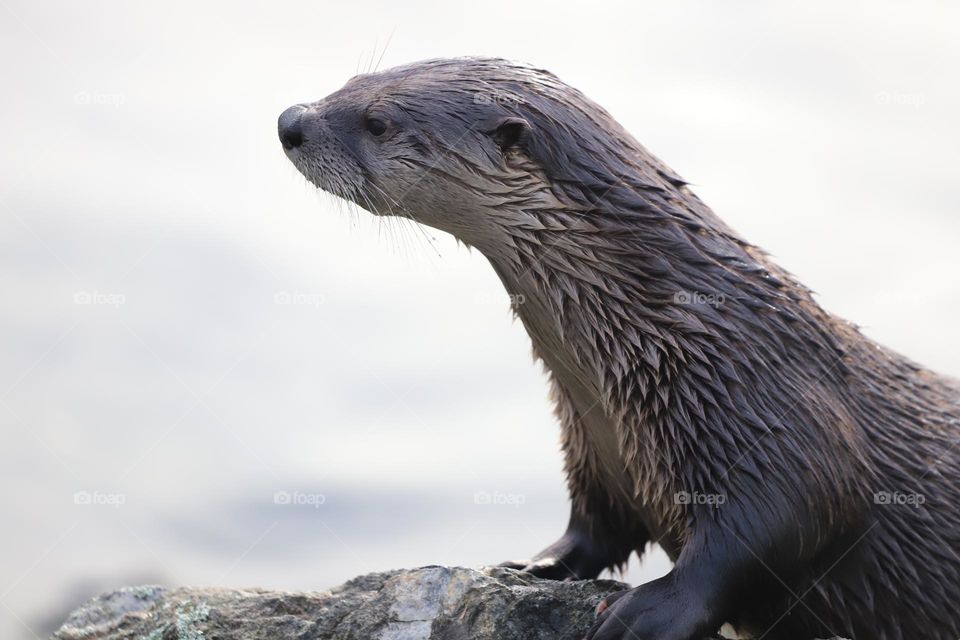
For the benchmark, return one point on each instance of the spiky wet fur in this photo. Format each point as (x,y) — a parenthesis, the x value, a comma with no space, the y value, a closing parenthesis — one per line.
(683,361)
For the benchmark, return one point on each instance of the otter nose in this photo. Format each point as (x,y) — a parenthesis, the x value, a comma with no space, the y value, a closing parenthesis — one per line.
(290,128)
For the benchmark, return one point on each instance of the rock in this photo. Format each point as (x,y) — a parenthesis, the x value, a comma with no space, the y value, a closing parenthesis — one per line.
(430,603)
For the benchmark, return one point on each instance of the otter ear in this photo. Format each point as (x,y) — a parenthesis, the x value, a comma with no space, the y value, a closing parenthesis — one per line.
(510,132)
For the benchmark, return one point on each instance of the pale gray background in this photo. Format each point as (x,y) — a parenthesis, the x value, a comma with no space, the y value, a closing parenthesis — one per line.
(140,160)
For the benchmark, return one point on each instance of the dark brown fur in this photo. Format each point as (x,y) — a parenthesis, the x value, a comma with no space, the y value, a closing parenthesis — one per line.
(683,362)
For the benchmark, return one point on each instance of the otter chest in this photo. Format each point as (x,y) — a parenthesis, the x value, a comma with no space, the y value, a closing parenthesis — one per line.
(577,375)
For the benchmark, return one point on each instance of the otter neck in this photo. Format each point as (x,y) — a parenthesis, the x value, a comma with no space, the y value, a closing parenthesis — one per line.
(605,302)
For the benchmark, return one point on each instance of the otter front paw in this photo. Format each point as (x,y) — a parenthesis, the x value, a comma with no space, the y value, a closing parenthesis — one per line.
(550,568)
(653,611)
(573,557)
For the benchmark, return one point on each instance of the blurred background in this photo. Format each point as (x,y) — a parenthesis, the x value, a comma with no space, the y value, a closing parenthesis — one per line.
(213,375)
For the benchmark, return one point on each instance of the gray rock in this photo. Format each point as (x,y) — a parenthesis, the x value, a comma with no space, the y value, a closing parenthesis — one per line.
(430,603)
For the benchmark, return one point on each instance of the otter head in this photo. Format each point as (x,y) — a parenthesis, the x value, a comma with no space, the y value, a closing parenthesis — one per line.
(470,146)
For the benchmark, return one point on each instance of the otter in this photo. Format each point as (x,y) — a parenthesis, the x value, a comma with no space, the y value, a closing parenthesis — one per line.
(804,480)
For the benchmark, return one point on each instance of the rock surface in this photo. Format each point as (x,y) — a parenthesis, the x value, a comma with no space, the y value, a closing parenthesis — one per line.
(430,603)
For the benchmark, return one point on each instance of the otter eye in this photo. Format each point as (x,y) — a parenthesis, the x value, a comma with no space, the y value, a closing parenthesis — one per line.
(376,127)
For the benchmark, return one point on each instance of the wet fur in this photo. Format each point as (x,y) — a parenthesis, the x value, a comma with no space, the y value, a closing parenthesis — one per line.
(754,393)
